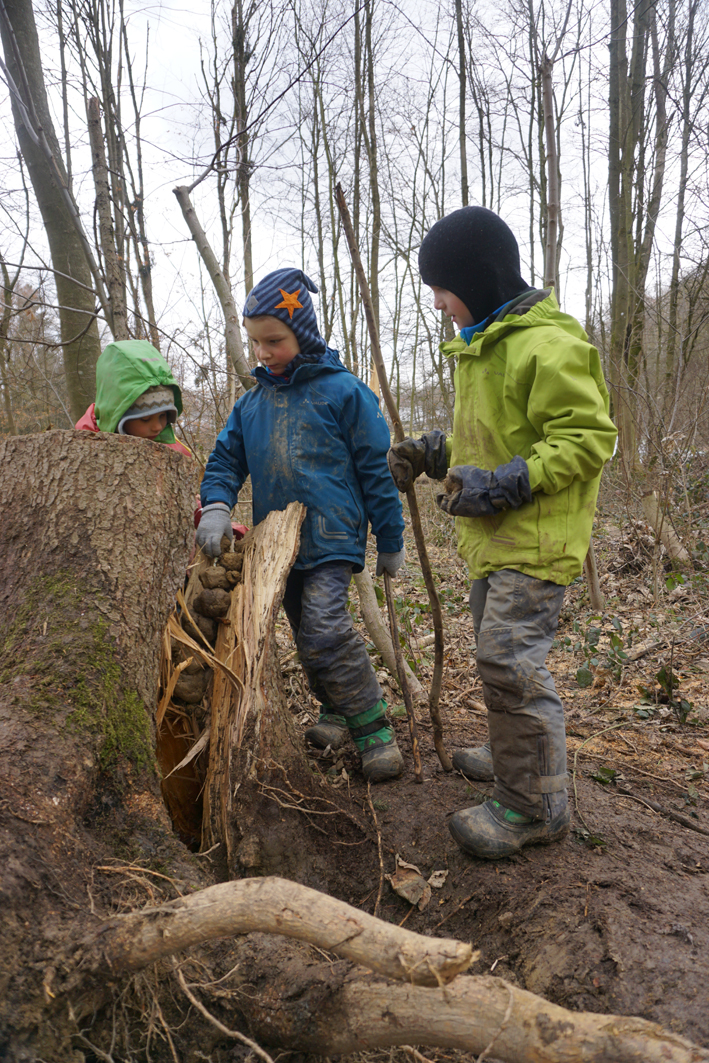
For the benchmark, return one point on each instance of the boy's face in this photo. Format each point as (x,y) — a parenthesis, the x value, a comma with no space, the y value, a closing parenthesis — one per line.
(146,427)
(451,305)
(275,344)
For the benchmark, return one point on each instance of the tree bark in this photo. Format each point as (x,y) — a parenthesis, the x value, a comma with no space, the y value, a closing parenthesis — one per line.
(276,906)
(478,1015)
(95,537)
(79,332)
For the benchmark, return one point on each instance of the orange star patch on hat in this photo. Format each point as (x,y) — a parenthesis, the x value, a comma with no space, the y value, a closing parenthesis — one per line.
(290,302)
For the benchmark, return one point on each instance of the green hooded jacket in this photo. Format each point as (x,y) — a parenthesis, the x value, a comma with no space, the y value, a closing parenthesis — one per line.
(531,385)
(125,370)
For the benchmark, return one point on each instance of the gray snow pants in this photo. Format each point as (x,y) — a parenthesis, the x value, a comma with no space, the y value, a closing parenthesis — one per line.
(333,655)
(515,619)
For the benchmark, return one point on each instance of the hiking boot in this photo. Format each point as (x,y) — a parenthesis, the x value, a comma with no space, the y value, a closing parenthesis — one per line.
(330,730)
(382,761)
(475,763)
(491,831)
(374,737)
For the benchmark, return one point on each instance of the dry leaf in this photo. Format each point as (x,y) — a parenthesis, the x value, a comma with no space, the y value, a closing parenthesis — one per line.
(409,883)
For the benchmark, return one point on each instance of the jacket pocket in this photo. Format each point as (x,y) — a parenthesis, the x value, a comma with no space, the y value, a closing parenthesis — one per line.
(329,532)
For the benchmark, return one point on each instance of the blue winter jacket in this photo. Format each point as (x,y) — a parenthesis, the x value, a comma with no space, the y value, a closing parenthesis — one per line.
(318,438)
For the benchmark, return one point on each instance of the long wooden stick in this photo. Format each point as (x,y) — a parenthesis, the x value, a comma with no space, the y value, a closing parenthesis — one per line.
(399,434)
(403,680)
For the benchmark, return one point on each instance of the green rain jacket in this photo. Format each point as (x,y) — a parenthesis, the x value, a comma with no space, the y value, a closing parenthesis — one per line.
(125,370)
(531,385)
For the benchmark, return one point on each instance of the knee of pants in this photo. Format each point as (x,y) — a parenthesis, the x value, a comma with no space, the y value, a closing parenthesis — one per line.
(322,641)
(509,680)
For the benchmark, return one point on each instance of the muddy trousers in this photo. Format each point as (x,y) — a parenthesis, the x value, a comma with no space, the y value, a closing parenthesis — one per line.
(333,655)
(515,619)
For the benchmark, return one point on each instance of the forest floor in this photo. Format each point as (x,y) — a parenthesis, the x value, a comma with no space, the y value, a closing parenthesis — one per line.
(616,917)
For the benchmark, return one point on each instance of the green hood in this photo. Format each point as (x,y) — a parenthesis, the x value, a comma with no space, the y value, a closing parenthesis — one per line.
(123,372)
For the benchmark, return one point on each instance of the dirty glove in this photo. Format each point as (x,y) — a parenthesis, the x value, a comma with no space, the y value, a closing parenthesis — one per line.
(412,457)
(473,492)
(390,563)
(214,523)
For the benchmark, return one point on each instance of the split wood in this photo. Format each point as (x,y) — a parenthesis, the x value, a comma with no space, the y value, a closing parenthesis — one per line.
(403,682)
(436,612)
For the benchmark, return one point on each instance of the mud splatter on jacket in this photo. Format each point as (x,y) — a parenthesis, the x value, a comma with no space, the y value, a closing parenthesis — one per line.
(531,384)
(317,437)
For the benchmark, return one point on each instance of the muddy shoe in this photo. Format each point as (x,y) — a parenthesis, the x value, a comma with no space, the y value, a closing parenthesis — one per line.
(330,730)
(490,831)
(374,737)
(475,763)
(382,761)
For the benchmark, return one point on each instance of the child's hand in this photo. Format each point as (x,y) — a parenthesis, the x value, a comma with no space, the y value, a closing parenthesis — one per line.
(412,457)
(390,563)
(215,522)
(474,492)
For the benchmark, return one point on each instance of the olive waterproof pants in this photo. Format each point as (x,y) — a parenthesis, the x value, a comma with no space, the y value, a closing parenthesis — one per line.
(515,619)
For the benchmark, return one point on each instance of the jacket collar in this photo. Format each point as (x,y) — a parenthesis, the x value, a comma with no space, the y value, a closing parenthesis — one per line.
(328,362)
(526,309)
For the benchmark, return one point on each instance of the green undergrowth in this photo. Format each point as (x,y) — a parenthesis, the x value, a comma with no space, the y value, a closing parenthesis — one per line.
(57,639)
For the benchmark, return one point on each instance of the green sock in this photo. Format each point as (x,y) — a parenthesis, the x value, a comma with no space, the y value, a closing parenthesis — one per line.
(511,816)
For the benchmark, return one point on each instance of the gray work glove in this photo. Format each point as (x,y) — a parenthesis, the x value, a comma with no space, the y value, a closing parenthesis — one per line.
(412,457)
(473,492)
(214,523)
(390,563)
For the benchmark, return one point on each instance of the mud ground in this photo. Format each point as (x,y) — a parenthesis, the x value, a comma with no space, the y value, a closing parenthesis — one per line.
(616,917)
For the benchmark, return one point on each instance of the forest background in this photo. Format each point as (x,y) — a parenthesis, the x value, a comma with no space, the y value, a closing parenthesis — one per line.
(585,125)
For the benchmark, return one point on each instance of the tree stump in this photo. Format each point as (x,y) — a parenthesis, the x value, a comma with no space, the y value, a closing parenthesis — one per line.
(95,537)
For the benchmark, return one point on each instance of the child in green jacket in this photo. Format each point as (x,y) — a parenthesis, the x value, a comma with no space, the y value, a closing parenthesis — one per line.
(531,434)
(136,395)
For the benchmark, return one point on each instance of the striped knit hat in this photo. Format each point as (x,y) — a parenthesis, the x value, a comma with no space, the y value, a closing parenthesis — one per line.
(158,399)
(285,294)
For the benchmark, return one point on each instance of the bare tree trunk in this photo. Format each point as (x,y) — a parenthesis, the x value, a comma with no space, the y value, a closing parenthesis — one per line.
(232,333)
(74,284)
(461,104)
(115,272)
(7,297)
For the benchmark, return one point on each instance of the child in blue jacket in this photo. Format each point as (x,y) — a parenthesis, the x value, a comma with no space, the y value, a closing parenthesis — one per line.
(312,432)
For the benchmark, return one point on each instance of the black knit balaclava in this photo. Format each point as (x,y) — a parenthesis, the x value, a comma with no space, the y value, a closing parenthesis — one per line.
(473,254)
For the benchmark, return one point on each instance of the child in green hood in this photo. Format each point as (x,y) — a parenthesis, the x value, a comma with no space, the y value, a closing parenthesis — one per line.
(136,395)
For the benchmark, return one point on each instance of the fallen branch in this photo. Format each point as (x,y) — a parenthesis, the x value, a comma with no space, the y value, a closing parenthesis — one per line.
(277,906)
(475,1015)
(378,633)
